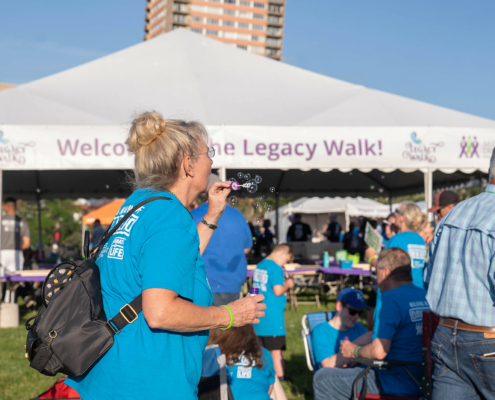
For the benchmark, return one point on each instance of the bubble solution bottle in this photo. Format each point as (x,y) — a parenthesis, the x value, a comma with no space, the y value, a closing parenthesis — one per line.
(326,260)
(254,291)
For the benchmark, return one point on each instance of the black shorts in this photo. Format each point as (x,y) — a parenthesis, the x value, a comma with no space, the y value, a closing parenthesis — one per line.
(272,342)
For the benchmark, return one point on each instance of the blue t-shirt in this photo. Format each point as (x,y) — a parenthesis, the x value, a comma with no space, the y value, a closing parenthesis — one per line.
(326,339)
(266,275)
(226,264)
(158,247)
(401,321)
(415,246)
(250,383)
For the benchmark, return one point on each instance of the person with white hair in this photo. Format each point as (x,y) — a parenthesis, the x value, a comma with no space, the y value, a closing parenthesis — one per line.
(461,290)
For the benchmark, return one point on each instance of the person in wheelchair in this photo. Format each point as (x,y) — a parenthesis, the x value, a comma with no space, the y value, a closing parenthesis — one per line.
(326,337)
(397,335)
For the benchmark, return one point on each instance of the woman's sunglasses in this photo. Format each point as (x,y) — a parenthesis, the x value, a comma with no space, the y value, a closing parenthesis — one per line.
(353,311)
(210,153)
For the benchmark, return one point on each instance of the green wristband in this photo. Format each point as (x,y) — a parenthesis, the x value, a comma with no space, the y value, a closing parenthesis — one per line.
(231,318)
(371,258)
(356,351)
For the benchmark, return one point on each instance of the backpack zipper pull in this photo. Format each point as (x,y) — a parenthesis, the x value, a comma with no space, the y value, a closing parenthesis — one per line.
(52,335)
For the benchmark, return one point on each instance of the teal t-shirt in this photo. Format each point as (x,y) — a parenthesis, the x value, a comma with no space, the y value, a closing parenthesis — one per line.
(158,247)
(326,339)
(250,383)
(401,321)
(266,275)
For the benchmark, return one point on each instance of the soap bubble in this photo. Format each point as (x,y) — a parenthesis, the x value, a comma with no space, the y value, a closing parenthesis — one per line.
(272,189)
(258,220)
(258,179)
(265,205)
(268,208)
(372,187)
(233,200)
(383,176)
(380,190)
(247,177)
(232,179)
(253,187)
(256,205)
(240,175)
(350,173)
(262,197)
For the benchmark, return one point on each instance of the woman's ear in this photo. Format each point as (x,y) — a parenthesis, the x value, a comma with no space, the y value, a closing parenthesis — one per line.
(188,165)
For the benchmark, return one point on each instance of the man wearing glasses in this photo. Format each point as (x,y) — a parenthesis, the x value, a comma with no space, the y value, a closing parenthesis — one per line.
(326,337)
(396,336)
(443,202)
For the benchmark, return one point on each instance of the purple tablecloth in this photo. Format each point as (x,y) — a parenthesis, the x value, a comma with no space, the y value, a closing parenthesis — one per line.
(329,270)
(19,278)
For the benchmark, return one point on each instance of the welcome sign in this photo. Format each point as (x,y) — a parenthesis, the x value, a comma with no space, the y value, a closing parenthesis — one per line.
(344,148)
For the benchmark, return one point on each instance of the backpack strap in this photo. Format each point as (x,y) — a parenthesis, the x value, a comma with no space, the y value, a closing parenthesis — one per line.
(129,312)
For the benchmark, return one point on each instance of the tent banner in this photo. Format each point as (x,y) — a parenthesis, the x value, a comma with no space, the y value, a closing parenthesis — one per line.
(26,147)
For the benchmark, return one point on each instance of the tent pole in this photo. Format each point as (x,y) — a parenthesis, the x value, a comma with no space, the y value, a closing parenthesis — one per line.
(276,216)
(222,174)
(390,202)
(429,191)
(40,242)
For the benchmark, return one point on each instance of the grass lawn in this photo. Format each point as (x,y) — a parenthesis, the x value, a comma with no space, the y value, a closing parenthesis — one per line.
(18,381)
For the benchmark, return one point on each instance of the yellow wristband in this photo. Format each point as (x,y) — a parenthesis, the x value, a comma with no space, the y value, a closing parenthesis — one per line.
(372,258)
(231,318)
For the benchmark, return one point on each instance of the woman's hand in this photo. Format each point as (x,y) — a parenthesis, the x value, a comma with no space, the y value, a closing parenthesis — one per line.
(248,310)
(216,201)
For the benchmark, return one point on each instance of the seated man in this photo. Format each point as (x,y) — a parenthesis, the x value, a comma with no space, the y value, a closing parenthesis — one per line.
(397,336)
(326,337)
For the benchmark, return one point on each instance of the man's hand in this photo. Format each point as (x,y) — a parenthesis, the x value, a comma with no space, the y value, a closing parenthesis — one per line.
(216,201)
(347,349)
(289,283)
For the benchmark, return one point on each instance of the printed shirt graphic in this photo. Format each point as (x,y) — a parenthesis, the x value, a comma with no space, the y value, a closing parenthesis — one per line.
(326,339)
(298,232)
(158,247)
(248,382)
(401,321)
(266,275)
(13,229)
(416,248)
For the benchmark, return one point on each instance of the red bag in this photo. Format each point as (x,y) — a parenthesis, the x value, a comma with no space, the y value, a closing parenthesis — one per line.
(59,391)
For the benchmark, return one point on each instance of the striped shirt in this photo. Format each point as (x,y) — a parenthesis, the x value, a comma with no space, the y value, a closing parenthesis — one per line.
(461,271)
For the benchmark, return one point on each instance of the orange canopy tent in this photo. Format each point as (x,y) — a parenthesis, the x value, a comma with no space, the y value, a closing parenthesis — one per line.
(105,214)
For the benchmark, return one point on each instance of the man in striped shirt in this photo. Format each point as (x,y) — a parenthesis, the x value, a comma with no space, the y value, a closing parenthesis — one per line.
(461,290)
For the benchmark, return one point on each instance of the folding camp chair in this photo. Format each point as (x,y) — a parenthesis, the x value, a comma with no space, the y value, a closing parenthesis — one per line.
(59,391)
(430,323)
(308,322)
(214,384)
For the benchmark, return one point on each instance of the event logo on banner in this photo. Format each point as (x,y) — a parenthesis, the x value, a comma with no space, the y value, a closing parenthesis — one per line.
(469,147)
(13,153)
(417,150)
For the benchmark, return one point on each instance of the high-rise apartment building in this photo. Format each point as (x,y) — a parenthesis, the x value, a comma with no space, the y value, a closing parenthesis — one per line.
(256,26)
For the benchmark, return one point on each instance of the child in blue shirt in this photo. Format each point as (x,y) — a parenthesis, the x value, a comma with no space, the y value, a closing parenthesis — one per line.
(269,277)
(249,366)
(326,337)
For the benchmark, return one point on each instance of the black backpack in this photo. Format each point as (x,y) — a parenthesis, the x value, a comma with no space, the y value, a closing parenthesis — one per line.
(71,332)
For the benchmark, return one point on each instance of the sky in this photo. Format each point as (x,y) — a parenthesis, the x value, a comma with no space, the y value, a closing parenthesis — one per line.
(438,51)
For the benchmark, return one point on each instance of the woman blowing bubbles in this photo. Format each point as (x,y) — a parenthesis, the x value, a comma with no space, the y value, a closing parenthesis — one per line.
(159,355)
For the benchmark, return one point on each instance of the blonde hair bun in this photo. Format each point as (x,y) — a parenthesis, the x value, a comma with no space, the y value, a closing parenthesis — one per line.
(145,129)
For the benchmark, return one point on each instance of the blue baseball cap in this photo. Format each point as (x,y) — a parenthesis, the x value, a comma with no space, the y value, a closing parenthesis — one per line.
(353,297)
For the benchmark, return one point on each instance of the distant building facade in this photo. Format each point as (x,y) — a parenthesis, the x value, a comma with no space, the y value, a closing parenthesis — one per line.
(256,26)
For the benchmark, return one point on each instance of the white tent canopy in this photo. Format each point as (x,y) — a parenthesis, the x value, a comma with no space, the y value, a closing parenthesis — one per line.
(320,208)
(262,115)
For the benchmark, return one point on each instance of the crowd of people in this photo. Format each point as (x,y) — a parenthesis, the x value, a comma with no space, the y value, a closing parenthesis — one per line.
(189,264)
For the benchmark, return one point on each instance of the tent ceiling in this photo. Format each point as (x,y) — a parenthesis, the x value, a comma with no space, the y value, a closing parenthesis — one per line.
(293,183)
(183,74)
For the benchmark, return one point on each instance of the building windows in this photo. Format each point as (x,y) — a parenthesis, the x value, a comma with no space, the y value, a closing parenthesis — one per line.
(228,23)
(229,35)
(229,12)
(157,6)
(158,16)
(242,25)
(257,38)
(245,14)
(205,9)
(176,26)
(271,52)
(179,18)
(243,36)
(245,3)
(259,16)
(273,31)
(272,42)
(241,46)
(274,20)
(212,21)
(197,30)
(274,9)
(229,1)
(211,32)
(257,49)
(156,29)
(197,19)
(259,5)
(258,27)
(180,7)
